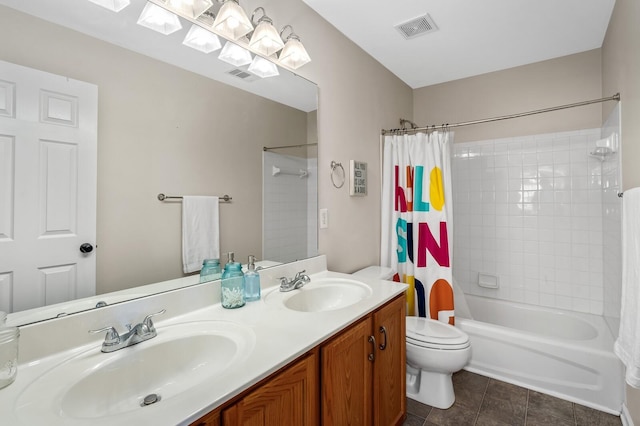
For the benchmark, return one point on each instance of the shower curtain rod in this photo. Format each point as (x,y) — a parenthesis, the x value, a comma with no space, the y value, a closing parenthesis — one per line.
(270,148)
(414,128)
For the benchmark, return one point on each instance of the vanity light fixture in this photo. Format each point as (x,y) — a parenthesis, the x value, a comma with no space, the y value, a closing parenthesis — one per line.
(234,54)
(159,19)
(191,8)
(265,39)
(263,67)
(202,40)
(113,5)
(232,22)
(293,55)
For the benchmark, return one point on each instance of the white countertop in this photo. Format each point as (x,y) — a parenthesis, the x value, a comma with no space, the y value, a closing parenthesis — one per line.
(281,335)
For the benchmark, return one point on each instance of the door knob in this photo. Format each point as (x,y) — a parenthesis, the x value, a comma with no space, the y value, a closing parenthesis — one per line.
(86,248)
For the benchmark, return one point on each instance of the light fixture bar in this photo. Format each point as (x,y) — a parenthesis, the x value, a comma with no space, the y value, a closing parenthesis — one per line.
(292,56)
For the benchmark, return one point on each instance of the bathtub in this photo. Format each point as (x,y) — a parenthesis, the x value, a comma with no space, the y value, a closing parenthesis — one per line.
(565,354)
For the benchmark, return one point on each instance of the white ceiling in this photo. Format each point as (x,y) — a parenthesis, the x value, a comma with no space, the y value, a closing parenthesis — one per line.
(473,37)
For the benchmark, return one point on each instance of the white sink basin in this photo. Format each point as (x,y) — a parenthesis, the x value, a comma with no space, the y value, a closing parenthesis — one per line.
(320,295)
(94,385)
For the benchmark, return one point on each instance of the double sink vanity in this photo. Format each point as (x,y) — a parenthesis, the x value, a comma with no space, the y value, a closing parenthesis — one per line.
(330,352)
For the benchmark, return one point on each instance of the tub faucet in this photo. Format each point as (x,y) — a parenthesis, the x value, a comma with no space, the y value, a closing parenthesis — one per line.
(139,333)
(296,282)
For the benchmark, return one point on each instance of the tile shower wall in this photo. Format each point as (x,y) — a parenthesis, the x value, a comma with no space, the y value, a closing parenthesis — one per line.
(286,208)
(529,211)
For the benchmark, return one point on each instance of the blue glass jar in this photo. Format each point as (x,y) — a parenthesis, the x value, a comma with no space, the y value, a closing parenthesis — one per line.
(232,285)
(210,270)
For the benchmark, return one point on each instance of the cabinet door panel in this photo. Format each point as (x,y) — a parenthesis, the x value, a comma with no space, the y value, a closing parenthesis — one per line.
(346,377)
(389,401)
(290,398)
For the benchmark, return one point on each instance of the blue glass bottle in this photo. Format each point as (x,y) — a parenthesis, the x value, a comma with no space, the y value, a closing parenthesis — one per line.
(210,270)
(251,281)
(232,285)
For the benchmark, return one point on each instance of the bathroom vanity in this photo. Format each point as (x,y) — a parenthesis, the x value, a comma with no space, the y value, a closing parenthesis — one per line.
(332,352)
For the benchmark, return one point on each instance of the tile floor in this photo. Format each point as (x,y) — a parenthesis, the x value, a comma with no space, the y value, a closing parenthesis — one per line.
(484,401)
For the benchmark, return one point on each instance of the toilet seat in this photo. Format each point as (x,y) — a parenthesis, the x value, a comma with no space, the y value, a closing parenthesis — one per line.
(432,334)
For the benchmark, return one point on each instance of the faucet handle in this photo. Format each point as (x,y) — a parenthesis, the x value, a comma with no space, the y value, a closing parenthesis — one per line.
(112,337)
(300,274)
(148,323)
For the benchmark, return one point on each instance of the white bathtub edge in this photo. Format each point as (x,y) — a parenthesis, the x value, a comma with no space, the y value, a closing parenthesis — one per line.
(625,416)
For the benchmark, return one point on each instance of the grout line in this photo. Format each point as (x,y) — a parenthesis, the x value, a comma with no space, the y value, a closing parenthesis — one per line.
(484,394)
(526,408)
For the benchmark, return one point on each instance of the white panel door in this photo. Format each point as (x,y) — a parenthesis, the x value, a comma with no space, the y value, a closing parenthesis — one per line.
(48,173)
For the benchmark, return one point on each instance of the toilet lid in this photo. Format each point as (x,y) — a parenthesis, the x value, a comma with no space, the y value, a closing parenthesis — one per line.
(435,334)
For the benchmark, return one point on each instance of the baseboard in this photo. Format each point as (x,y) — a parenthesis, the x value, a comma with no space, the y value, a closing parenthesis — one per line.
(625,416)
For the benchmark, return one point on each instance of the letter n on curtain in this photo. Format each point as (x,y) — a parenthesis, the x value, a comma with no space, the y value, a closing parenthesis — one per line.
(417,220)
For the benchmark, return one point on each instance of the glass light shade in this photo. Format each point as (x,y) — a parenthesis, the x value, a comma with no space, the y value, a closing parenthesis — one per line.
(202,40)
(263,68)
(159,19)
(191,8)
(235,55)
(114,5)
(232,22)
(265,38)
(294,55)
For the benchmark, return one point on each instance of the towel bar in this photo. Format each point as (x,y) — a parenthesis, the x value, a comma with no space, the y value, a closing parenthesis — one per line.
(225,198)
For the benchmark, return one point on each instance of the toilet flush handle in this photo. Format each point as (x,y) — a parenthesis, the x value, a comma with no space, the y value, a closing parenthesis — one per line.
(383,345)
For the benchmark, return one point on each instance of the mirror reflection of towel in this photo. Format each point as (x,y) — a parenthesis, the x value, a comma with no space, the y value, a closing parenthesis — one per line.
(200,231)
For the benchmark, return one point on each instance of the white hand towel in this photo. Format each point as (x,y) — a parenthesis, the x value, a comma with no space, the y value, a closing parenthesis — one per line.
(627,346)
(200,231)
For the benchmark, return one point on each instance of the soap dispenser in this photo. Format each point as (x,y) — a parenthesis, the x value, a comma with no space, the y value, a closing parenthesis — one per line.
(251,281)
(232,284)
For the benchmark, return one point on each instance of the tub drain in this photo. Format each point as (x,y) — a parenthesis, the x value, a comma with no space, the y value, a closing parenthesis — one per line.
(150,399)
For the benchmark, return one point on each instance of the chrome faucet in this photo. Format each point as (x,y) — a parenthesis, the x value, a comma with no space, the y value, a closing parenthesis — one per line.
(296,282)
(139,333)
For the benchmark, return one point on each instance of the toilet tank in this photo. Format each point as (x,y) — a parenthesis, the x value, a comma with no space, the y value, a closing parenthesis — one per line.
(375,272)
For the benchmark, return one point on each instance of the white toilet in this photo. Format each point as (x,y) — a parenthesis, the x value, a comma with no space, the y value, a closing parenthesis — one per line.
(435,351)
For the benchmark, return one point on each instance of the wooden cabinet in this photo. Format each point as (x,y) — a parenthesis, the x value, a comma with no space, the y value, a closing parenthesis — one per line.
(363,371)
(289,398)
(355,378)
(211,419)
(347,377)
(389,373)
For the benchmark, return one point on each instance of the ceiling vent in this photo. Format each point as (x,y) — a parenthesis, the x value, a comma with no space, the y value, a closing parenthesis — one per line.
(243,75)
(417,27)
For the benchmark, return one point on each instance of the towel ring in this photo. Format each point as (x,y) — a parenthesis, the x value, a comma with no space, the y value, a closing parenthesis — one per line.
(337,168)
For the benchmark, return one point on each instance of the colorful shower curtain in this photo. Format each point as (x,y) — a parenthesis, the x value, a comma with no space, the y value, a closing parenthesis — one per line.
(417,220)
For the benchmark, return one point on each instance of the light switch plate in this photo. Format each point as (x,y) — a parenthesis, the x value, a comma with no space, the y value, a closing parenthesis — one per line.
(324,218)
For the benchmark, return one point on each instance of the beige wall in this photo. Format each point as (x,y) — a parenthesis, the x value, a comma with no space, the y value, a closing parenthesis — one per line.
(621,72)
(540,85)
(161,129)
(357,98)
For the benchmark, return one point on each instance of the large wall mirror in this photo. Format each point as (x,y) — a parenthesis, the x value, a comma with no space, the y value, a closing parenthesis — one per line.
(176,121)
